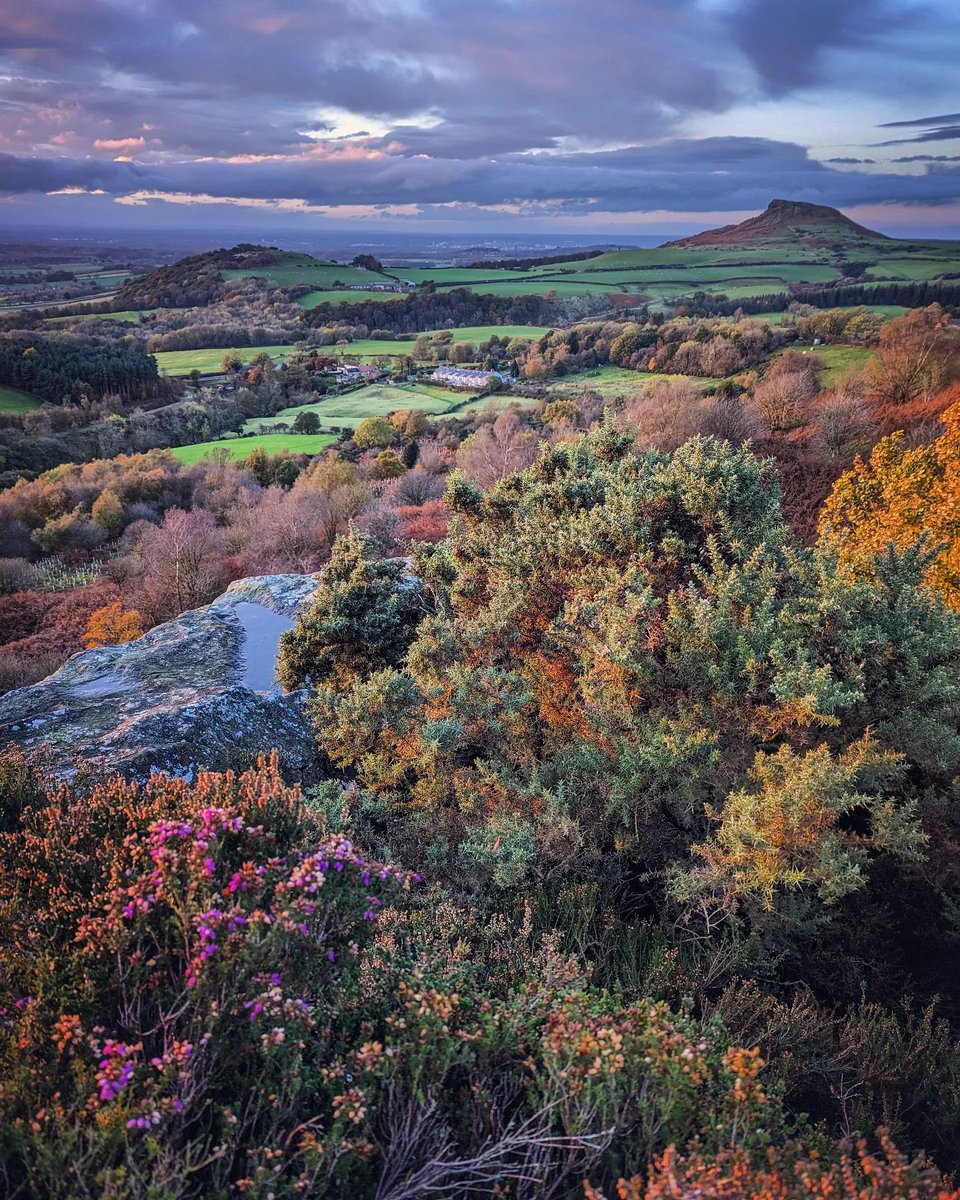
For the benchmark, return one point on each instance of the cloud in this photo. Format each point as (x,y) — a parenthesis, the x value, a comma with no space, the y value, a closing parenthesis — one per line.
(124,143)
(682,175)
(928,158)
(920,121)
(534,103)
(935,129)
(788,43)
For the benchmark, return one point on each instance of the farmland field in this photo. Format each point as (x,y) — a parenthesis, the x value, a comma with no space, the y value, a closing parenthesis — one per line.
(371,348)
(377,400)
(612,381)
(207,362)
(840,360)
(340,296)
(889,311)
(240,447)
(12,400)
(301,268)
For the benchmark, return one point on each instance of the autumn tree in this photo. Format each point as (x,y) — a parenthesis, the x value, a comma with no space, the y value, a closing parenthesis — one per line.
(373,432)
(107,511)
(388,465)
(918,355)
(112,625)
(783,398)
(179,564)
(497,449)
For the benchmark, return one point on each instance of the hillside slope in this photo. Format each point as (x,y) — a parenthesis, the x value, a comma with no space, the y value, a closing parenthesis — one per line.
(787,221)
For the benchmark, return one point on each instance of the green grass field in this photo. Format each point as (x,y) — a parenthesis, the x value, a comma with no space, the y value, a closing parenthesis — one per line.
(12,400)
(888,311)
(377,400)
(127,315)
(240,447)
(370,348)
(302,268)
(312,299)
(839,360)
(208,362)
(612,381)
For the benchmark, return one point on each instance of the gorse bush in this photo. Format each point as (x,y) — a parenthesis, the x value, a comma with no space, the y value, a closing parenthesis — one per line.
(625,664)
(896,496)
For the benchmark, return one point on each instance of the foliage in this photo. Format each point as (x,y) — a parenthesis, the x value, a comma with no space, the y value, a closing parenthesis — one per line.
(611,639)
(361,618)
(897,496)
(63,369)
(112,625)
(201,990)
(793,1171)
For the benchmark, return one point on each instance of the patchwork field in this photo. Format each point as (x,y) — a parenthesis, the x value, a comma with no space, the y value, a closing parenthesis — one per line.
(208,362)
(240,447)
(377,400)
(370,348)
(301,268)
(12,400)
(888,311)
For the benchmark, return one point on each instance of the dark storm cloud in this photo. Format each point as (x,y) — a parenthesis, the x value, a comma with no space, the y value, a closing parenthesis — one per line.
(678,175)
(946,133)
(515,102)
(787,42)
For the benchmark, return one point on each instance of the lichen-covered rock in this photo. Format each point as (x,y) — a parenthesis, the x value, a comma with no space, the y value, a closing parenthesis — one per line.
(192,694)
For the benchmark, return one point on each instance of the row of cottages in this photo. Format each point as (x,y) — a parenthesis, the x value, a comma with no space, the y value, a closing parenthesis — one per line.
(466,377)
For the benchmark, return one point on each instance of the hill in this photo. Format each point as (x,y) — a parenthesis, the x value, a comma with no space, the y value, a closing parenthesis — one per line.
(787,221)
(203,278)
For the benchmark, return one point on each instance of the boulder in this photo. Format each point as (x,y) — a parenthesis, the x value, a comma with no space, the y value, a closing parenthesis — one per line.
(195,693)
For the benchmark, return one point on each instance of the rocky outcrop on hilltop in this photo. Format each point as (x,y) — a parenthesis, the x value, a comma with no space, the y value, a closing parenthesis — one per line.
(195,693)
(790,220)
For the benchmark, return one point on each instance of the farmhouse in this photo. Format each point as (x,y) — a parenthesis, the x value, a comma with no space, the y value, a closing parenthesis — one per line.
(352,372)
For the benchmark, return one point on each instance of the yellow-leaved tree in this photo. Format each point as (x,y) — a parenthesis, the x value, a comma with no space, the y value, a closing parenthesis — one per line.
(112,625)
(896,496)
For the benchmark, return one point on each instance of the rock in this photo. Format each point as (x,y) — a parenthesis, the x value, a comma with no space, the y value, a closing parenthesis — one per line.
(194,693)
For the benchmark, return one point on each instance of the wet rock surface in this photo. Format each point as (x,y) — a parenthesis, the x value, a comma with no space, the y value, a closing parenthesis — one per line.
(194,693)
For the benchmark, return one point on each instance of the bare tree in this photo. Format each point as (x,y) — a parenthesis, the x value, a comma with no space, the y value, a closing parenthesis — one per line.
(497,450)
(179,564)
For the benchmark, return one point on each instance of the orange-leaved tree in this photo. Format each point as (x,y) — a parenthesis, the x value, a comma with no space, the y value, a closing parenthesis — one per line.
(112,625)
(896,496)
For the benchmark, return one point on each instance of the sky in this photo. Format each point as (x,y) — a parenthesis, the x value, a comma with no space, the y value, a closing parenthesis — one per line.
(591,117)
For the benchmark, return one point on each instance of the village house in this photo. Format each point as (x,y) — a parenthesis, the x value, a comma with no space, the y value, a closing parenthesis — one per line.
(355,372)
